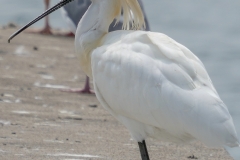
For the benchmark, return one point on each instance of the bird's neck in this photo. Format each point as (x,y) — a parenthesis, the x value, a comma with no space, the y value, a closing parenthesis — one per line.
(92,27)
(96,21)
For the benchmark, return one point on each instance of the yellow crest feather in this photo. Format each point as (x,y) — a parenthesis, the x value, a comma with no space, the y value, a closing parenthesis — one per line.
(133,17)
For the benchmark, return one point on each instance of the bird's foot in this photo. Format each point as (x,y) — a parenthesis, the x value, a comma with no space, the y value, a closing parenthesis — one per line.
(70,34)
(78,90)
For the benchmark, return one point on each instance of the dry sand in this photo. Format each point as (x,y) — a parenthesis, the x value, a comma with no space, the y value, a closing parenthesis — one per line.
(38,121)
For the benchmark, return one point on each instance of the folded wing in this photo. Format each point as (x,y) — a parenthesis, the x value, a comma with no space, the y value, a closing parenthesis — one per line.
(151,79)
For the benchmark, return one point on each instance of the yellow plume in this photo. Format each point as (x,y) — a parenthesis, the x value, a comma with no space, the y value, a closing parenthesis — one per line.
(133,17)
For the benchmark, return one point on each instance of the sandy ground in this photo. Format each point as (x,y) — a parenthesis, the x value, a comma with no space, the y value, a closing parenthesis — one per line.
(38,121)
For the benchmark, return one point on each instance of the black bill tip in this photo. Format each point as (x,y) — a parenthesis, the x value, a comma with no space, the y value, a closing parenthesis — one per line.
(54,8)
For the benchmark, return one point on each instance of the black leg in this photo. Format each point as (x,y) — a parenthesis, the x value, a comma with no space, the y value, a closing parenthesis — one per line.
(143,150)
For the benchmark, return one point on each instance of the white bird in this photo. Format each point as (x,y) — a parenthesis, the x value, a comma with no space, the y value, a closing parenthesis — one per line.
(152,84)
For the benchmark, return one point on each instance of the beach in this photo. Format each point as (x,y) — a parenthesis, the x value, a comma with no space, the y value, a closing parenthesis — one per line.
(38,121)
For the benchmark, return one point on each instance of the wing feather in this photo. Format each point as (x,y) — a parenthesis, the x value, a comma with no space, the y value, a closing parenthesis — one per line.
(151,79)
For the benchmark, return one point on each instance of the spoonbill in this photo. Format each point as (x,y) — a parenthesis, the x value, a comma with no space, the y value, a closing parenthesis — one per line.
(152,84)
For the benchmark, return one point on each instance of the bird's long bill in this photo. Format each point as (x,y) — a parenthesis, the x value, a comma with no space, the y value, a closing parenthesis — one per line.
(47,12)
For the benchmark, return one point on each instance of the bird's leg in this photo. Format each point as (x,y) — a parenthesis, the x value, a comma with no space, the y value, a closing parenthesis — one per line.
(47,28)
(143,150)
(85,90)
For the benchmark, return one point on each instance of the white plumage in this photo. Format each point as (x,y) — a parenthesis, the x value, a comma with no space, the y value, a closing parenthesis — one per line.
(153,85)
(156,87)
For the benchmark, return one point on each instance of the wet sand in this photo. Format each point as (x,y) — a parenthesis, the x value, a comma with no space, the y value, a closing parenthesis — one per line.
(38,121)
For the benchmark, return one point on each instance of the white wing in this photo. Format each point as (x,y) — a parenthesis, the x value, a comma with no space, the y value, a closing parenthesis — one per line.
(158,88)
